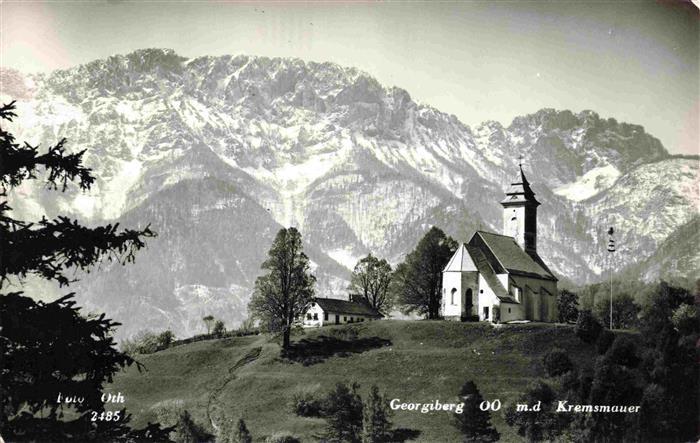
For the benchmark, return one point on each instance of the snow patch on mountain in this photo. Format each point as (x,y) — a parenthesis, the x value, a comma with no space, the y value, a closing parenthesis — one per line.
(345,257)
(357,166)
(589,184)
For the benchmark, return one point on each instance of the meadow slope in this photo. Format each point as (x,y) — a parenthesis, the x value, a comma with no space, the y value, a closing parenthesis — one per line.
(416,361)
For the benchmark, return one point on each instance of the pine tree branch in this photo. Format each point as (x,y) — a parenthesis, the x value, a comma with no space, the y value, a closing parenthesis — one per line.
(18,163)
(57,245)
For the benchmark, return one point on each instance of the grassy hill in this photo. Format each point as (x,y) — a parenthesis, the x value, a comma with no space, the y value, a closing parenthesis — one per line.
(415,361)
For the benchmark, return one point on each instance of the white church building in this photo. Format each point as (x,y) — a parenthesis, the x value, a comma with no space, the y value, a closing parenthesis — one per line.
(500,278)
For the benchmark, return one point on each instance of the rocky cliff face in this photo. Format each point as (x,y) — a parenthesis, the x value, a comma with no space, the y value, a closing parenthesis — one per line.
(217,153)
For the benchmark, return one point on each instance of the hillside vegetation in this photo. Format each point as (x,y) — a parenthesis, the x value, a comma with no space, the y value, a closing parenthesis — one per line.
(416,361)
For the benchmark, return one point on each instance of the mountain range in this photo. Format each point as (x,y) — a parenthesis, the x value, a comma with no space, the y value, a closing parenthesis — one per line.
(218,153)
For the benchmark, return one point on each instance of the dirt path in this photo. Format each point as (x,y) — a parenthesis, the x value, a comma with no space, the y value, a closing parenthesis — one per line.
(213,406)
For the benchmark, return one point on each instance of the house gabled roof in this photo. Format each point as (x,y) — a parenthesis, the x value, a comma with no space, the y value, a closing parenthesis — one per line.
(460,261)
(346,307)
(509,255)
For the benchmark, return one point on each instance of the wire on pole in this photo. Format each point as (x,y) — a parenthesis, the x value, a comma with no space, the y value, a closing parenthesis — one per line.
(611,249)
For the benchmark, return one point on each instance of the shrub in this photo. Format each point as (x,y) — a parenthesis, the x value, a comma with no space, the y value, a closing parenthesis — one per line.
(623,352)
(587,327)
(685,319)
(348,333)
(168,411)
(187,431)
(219,329)
(165,339)
(605,339)
(304,405)
(282,438)
(147,342)
(557,362)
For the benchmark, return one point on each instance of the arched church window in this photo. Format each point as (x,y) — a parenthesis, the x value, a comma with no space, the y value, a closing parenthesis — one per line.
(452,295)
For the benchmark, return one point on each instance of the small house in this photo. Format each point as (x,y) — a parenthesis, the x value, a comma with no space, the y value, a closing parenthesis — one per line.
(331,311)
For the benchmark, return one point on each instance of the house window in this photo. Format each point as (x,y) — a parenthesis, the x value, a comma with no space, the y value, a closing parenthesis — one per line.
(509,310)
(481,291)
(345,318)
(315,316)
(308,316)
(452,295)
(325,316)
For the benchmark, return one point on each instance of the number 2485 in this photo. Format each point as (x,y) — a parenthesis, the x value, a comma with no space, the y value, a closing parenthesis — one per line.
(106,416)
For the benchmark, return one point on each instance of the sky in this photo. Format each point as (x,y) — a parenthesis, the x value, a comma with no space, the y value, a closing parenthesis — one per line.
(634,61)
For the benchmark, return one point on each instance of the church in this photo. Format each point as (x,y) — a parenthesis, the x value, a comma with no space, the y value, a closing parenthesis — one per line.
(500,278)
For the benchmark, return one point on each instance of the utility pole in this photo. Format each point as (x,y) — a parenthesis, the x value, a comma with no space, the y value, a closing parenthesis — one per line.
(611,249)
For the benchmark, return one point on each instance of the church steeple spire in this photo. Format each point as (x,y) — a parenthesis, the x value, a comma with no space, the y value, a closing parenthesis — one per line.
(520,212)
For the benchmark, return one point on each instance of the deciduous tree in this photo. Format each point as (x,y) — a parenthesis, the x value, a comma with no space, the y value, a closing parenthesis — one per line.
(624,311)
(418,279)
(567,303)
(286,290)
(208,321)
(370,281)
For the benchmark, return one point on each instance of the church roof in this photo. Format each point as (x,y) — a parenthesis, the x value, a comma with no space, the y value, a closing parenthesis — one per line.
(520,191)
(471,258)
(509,255)
(346,307)
(460,261)
(489,274)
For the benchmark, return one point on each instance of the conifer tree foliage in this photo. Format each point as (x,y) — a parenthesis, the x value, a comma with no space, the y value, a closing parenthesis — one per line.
(670,401)
(418,279)
(242,433)
(49,248)
(375,418)
(343,410)
(370,281)
(50,349)
(287,289)
(187,431)
(539,425)
(656,370)
(474,423)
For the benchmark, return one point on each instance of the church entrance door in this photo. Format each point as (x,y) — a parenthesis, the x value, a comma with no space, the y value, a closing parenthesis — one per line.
(468,303)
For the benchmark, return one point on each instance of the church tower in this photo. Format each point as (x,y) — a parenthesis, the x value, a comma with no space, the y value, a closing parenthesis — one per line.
(520,213)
